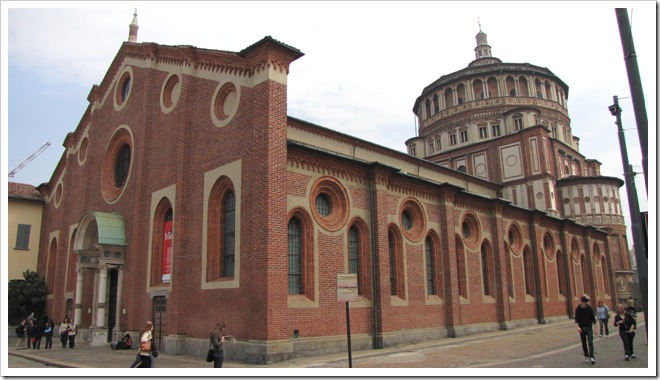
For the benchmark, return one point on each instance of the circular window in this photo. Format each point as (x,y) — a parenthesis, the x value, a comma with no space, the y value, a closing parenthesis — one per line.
(170,93)
(123,88)
(515,238)
(587,199)
(82,150)
(471,230)
(58,195)
(329,203)
(116,165)
(605,199)
(412,219)
(224,104)
(549,246)
(567,201)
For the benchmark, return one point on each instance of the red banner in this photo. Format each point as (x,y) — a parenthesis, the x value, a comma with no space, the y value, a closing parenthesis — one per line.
(167,251)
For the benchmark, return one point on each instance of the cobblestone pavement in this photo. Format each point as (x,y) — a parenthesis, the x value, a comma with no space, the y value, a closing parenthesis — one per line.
(542,350)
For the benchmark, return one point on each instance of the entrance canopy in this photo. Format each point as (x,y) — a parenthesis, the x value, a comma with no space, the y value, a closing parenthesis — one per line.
(100,229)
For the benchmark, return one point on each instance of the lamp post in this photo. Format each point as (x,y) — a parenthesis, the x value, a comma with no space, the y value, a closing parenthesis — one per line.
(635,83)
(635,216)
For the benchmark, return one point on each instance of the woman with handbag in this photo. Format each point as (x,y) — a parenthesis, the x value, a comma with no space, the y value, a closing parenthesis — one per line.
(627,326)
(216,345)
(65,327)
(145,345)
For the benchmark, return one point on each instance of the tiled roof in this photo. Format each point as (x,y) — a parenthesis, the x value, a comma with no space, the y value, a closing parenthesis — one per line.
(23,191)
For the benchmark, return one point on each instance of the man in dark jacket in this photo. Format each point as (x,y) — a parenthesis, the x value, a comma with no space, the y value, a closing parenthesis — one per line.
(20,334)
(585,319)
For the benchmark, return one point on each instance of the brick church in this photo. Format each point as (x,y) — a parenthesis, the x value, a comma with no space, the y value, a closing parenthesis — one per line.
(187,196)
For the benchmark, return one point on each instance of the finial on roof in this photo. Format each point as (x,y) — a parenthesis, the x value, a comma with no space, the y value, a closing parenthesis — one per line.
(133,28)
(479,22)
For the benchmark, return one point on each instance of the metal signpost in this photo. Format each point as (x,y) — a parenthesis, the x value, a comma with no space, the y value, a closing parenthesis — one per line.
(347,291)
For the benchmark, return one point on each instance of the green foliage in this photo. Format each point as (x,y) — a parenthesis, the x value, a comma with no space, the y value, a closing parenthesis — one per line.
(26,296)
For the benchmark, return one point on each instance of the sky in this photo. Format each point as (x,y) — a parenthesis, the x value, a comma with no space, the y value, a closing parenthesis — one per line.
(365,63)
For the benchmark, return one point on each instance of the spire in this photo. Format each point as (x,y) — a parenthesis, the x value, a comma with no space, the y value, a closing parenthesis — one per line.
(133,28)
(483,49)
(482,53)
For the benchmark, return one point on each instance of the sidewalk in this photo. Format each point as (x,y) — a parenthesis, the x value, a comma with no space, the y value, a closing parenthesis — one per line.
(481,350)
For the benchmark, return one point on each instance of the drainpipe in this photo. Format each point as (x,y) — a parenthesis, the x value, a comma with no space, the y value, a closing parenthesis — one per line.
(377,339)
(567,276)
(537,271)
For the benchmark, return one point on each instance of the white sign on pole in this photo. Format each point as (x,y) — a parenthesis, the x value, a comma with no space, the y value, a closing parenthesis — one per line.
(347,290)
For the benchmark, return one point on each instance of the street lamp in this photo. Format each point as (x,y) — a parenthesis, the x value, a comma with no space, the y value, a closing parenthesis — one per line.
(635,216)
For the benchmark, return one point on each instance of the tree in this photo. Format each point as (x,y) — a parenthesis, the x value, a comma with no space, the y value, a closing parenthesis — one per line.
(26,296)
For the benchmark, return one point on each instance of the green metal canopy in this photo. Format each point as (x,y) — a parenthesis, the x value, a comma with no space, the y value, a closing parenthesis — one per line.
(110,228)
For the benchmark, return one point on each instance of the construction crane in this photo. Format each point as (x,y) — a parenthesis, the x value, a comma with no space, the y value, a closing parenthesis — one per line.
(27,160)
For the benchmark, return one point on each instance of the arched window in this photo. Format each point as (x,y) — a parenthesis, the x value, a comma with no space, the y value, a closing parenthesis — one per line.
(487,269)
(431,284)
(52,259)
(358,254)
(221,232)
(396,263)
(462,96)
(428,107)
(606,278)
(462,269)
(71,276)
(162,244)
(449,98)
(539,88)
(529,271)
(561,273)
(295,257)
(228,224)
(511,86)
(523,86)
(583,269)
(478,88)
(436,104)
(548,91)
(493,88)
(300,255)
(509,272)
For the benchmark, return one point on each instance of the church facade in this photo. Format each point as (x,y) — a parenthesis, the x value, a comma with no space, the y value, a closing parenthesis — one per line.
(188,196)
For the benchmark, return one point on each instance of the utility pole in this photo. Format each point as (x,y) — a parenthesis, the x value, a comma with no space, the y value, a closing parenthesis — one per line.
(635,216)
(636,92)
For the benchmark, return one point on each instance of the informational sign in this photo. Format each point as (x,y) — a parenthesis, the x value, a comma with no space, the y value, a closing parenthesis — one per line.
(167,251)
(347,289)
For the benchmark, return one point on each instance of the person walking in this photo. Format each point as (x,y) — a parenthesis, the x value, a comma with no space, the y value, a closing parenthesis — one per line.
(48,333)
(65,327)
(602,312)
(20,334)
(38,333)
(627,326)
(631,307)
(217,340)
(29,330)
(73,331)
(585,319)
(145,345)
